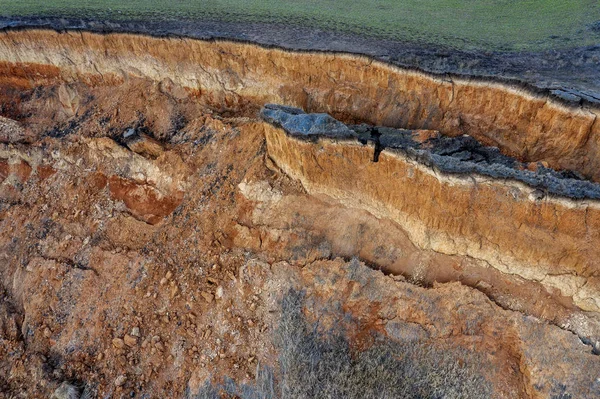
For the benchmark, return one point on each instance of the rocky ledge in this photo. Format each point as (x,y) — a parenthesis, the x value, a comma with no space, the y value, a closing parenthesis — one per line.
(462,155)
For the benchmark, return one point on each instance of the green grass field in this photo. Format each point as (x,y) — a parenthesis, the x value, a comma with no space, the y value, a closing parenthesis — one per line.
(465,24)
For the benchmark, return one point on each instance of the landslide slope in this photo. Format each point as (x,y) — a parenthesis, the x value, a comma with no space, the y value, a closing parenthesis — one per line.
(154,225)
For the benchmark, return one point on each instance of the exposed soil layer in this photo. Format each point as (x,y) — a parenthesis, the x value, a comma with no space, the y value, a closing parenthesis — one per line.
(570,74)
(510,226)
(461,155)
(237,76)
(150,220)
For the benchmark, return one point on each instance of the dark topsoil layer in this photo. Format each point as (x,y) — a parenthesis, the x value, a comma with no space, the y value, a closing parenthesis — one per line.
(570,75)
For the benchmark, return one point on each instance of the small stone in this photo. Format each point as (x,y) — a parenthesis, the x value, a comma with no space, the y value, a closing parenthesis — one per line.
(130,340)
(163,281)
(537,195)
(135,331)
(128,133)
(208,297)
(168,275)
(159,346)
(212,280)
(144,145)
(118,343)
(47,332)
(120,380)
(219,292)
(100,356)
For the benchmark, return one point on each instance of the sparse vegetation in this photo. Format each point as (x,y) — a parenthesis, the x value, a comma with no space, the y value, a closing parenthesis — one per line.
(484,24)
(316,364)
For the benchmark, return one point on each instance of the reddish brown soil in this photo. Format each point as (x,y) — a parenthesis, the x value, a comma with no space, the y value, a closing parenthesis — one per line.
(150,267)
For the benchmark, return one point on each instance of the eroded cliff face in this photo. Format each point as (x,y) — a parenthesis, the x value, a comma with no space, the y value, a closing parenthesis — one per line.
(549,240)
(352,88)
(151,221)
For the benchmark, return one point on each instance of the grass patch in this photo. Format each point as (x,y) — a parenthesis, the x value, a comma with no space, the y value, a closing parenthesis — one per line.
(470,24)
(317,364)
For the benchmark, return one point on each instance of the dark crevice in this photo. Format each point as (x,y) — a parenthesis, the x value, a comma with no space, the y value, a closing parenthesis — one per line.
(375,138)
(72,263)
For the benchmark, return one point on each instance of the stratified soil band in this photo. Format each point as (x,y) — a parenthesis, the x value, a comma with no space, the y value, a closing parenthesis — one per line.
(504,223)
(508,224)
(529,127)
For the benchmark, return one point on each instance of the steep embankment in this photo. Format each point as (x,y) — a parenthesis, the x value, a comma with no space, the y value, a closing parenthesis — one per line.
(506,223)
(352,88)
